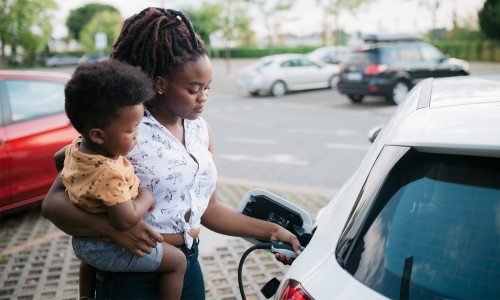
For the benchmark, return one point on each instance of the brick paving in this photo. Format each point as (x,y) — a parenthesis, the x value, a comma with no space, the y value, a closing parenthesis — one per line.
(37,260)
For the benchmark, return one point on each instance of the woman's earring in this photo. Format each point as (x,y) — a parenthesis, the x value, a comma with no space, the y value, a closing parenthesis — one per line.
(159,92)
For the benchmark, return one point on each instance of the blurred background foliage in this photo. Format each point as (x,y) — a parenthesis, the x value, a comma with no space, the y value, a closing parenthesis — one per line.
(25,25)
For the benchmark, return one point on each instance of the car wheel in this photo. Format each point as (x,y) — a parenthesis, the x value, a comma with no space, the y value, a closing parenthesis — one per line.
(254,94)
(398,92)
(355,98)
(334,81)
(278,89)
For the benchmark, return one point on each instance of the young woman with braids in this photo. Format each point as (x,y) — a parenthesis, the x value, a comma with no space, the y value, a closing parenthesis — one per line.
(174,159)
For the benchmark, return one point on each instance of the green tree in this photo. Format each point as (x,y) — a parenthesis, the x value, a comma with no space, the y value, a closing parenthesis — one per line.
(25,23)
(234,23)
(107,22)
(205,20)
(269,9)
(489,19)
(335,7)
(79,17)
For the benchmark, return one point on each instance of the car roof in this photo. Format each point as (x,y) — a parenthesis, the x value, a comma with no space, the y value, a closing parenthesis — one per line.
(35,75)
(462,120)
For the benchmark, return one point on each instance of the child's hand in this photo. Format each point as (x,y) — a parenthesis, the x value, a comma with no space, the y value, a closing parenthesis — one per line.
(144,192)
(152,207)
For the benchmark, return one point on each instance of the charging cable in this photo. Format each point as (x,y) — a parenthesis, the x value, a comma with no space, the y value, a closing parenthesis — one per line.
(275,247)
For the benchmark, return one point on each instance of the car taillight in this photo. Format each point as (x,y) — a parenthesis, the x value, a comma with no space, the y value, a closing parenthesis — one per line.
(293,290)
(376,69)
(341,69)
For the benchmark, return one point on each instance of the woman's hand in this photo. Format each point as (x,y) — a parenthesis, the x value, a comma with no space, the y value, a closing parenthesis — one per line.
(286,236)
(138,239)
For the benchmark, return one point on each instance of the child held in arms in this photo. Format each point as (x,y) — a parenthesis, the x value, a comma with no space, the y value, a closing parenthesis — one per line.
(104,102)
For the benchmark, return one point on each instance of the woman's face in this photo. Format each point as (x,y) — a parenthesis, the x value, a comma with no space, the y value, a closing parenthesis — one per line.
(185,95)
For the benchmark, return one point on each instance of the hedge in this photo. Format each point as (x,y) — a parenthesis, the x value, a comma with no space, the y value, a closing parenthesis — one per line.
(472,51)
(468,50)
(241,52)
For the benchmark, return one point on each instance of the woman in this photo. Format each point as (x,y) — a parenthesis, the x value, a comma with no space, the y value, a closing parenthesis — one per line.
(174,158)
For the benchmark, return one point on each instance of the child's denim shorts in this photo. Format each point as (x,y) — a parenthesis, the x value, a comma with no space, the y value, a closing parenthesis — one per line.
(109,256)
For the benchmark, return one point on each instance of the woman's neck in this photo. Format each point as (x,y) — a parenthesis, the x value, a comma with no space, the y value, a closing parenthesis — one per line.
(166,118)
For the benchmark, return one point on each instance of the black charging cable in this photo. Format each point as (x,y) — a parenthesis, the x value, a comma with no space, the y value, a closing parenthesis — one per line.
(242,261)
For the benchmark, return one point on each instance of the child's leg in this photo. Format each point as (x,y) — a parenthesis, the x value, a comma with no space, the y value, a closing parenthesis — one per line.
(87,280)
(173,267)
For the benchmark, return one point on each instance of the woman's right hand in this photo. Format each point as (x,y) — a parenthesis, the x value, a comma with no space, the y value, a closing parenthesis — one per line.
(138,239)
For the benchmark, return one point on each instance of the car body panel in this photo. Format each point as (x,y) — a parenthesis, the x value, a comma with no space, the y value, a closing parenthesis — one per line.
(29,146)
(427,129)
(260,78)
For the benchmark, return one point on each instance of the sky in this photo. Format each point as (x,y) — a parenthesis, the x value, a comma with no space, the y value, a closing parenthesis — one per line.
(306,17)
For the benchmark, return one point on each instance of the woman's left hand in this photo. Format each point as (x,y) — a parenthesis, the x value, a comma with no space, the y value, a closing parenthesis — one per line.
(286,236)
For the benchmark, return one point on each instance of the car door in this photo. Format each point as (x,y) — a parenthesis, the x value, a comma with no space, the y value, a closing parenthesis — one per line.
(314,75)
(291,72)
(4,154)
(39,128)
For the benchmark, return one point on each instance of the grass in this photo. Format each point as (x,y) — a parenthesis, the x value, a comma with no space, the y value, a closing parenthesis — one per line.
(6,237)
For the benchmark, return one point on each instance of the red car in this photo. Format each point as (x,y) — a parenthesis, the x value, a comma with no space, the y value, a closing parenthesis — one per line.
(33,127)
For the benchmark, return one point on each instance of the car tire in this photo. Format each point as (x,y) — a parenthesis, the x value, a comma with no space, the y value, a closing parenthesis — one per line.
(398,93)
(356,98)
(334,80)
(254,94)
(278,89)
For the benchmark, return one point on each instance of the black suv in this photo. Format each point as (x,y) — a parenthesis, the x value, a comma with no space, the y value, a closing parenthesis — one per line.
(390,65)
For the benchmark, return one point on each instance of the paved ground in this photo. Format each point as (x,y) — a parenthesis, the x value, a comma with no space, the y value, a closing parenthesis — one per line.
(301,147)
(37,261)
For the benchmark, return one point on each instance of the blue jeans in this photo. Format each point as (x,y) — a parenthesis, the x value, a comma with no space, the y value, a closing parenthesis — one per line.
(133,286)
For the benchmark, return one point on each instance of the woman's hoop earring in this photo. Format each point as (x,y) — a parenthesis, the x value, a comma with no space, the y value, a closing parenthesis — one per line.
(159,92)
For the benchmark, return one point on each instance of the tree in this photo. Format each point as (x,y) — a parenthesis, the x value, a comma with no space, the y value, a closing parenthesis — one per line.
(79,17)
(25,23)
(269,10)
(234,23)
(489,19)
(205,20)
(432,6)
(107,22)
(335,7)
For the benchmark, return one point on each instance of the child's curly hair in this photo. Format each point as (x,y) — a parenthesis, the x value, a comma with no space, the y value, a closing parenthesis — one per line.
(98,90)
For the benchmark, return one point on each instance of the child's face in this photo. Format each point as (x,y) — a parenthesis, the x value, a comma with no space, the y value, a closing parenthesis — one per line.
(121,135)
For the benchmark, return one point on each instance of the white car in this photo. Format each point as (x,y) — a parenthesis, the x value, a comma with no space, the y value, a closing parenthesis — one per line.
(420,219)
(280,73)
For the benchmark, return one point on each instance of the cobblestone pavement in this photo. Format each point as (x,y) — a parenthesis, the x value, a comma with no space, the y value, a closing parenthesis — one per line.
(37,260)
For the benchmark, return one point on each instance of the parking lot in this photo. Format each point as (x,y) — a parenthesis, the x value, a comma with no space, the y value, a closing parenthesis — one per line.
(302,147)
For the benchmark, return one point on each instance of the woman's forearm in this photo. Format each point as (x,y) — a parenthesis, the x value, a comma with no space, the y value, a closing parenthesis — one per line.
(225,220)
(69,218)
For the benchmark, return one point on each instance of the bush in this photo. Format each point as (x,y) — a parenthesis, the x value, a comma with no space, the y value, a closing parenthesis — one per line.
(482,51)
(242,52)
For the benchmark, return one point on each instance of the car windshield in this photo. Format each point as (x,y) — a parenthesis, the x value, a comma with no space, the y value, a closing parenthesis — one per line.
(432,232)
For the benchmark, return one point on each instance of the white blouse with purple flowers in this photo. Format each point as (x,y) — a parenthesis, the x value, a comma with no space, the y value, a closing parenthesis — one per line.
(177,181)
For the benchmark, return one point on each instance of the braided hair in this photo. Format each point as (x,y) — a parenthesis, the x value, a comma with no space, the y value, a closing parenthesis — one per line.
(158,40)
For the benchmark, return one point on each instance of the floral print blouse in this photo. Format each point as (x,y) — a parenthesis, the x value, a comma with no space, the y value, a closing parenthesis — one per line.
(177,181)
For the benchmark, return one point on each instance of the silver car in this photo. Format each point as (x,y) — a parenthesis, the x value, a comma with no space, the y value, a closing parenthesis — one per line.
(330,54)
(277,74)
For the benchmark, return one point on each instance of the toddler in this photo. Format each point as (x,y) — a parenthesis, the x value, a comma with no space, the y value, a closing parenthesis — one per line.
(104,102)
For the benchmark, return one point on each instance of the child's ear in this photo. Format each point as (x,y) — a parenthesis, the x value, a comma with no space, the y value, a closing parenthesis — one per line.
(97,136)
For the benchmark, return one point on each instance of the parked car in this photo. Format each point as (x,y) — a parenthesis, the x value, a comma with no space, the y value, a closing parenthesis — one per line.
(390,65)
(62,60)
(91,58)
(33,126)
(278,74)
(330,54)
(420,217)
